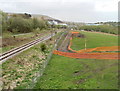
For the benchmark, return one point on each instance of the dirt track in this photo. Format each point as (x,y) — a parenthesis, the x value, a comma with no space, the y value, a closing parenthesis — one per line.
(84,54)
(64,45)
(89,55)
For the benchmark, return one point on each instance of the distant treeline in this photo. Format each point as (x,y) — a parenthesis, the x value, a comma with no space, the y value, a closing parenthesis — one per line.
(101,28)
(21,23)
(109,23)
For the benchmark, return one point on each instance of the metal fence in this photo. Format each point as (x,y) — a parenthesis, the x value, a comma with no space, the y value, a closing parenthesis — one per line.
(44,64)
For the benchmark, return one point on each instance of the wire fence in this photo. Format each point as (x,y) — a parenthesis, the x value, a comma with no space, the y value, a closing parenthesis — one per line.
(44,64)
(1,83)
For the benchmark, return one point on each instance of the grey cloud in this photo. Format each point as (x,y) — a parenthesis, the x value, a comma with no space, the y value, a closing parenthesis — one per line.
(69,10)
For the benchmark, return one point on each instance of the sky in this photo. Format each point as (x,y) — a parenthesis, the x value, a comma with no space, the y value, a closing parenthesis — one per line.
(66,10)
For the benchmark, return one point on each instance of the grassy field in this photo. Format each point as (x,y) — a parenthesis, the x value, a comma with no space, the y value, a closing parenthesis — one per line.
(67,73)
(94,40)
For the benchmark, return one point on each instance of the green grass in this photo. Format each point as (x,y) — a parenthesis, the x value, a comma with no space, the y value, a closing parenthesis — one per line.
(19,71)
(94,40)
(65,73)
(11,43)
(20,66)
(68,73)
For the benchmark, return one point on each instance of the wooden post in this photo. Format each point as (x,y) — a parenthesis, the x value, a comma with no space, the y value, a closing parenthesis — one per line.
(85,43)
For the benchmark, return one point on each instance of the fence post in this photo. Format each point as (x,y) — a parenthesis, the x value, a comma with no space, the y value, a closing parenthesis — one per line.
(85,43)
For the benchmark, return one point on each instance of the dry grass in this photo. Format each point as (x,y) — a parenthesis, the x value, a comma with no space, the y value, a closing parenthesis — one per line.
(19,71)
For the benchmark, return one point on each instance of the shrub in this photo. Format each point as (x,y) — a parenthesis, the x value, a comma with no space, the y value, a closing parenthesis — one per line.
(36,31)
(20,25)
(6,34)
(39,24)
(3,20)
(43,47)
(101,28)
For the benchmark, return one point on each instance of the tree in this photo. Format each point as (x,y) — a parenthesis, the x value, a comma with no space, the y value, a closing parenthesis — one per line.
(27,15)
(3,20)
(35,23)
(20,24)
(38,23)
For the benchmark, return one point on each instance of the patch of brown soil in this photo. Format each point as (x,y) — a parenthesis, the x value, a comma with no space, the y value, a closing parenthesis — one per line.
(77,34)
(100,49)
(11,41)
(89,55)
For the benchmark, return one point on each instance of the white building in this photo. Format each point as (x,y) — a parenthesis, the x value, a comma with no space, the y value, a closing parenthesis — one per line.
(56,22)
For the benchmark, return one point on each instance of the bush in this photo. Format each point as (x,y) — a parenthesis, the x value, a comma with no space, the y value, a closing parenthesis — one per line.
(43,47)
(20,25)
(36,31)
(101,28)
(6,34)
(3,20)
(15,31)
(38,24)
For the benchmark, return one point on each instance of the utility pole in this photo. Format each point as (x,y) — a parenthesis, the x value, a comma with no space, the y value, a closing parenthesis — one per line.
(85,43)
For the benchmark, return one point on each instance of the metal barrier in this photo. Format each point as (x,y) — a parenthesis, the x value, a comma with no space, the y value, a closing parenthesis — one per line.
(44,64)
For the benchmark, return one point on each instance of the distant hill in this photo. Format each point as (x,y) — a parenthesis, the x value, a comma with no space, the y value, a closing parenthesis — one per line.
(32,15)
(42,16)
(48,18)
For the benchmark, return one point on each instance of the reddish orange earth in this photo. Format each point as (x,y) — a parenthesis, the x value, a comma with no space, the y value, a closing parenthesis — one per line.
(89,55)
(84,53)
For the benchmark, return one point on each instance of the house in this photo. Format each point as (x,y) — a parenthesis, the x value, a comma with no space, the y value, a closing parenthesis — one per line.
(56,22)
